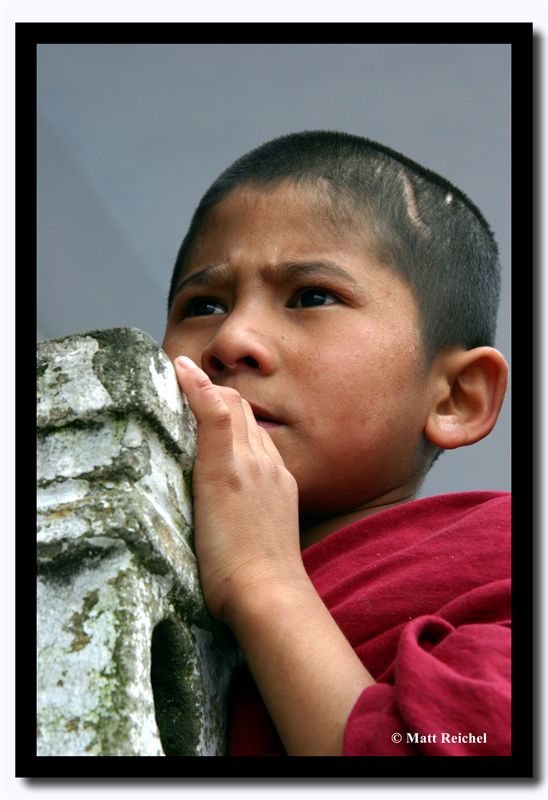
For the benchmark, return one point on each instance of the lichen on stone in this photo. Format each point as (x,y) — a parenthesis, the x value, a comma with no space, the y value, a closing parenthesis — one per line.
(122,619)
(78,621)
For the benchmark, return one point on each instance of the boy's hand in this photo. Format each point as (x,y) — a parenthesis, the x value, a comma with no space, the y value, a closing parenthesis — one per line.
(252,574)
(245,500)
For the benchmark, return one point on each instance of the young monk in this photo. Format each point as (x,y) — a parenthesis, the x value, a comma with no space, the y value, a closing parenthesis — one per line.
(331,321)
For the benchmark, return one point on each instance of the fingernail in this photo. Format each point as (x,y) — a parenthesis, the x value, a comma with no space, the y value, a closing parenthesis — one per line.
(185,362)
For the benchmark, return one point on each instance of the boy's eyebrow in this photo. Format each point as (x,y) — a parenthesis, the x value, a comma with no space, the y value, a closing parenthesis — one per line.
(286,270)
(304,269)
(205,277)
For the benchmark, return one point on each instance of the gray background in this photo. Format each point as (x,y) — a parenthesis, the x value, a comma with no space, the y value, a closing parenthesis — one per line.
(130,136)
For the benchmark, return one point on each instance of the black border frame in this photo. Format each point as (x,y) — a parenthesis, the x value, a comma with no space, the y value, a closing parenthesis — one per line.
(524,761)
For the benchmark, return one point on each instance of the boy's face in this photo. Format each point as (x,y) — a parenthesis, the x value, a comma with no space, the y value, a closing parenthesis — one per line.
(320,338)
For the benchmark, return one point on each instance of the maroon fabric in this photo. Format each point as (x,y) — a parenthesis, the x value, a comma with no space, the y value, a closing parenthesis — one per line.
(422,592)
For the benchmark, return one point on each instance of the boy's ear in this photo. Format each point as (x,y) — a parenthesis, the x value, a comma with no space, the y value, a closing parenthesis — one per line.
(469,388)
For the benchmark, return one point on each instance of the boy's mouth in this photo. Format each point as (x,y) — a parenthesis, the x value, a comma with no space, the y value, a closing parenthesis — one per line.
(264,418)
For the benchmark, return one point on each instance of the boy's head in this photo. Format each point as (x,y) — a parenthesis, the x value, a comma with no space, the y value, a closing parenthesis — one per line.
(418,224)
(324,278)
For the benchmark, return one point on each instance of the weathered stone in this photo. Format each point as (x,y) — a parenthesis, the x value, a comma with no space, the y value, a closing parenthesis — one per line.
(129,662)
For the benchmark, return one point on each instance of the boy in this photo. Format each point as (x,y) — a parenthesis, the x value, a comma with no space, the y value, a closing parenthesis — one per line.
(340,301)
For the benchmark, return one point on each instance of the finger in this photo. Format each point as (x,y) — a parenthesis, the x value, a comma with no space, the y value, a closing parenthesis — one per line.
(213,415)
(253,430)
(259,436)
(271,448)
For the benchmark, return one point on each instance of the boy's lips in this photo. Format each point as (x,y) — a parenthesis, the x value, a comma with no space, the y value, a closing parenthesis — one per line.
(264,418)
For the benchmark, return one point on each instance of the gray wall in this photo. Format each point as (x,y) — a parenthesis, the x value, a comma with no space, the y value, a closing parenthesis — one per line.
(130,136)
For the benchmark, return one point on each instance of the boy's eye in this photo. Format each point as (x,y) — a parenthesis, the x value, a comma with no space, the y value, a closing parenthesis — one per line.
(203,307)
(310,297)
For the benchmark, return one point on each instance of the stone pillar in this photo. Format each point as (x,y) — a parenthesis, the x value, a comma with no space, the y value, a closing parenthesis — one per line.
(129,660)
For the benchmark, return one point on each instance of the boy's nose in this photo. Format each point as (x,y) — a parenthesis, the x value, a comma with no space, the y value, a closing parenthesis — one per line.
(236,347)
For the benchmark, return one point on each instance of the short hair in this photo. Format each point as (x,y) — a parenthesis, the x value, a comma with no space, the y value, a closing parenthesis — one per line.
(420,225)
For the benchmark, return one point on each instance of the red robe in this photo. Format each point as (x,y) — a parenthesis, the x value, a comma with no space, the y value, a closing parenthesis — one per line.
(422,592)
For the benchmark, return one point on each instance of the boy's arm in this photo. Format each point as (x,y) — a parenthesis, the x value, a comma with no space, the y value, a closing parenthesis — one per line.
(253,578)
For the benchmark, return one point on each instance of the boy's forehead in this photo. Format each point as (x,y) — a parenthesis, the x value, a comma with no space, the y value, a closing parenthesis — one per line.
(281,223)
(294,213)
(282,196)
(281,233)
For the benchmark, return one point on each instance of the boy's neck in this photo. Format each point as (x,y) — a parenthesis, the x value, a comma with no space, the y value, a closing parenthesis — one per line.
(313,530)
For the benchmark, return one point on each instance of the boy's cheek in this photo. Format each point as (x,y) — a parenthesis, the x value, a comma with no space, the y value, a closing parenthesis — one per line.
(175,344)
(173,347)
